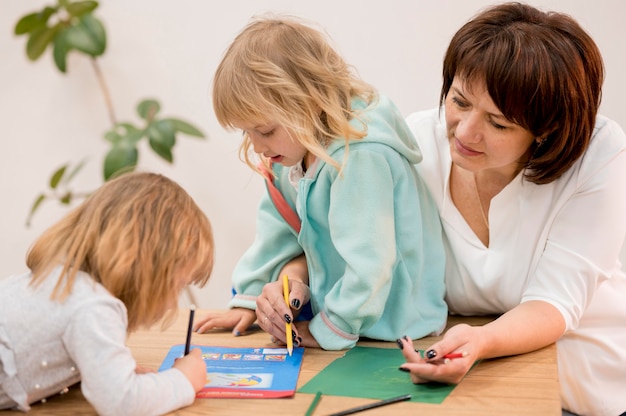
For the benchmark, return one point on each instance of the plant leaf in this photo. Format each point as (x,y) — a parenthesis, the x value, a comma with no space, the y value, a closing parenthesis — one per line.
(124,134)
(185,128)
(60,50)
(120,159)
(34,207)
(38,41)
(148,109)
(162,138)
(132,134)
(33,21)
(80,8)
(164,152)
(66,199)
(57,176)
(113,136)
(28,23)
(88,36)
(74,171)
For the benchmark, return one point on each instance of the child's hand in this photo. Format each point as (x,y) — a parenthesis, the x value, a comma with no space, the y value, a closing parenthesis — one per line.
(239,319)
(305,337)
(193,367)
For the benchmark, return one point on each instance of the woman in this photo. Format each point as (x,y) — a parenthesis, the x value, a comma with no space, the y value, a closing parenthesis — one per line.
(529,182)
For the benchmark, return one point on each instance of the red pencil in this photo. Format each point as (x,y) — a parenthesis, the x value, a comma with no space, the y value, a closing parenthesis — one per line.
(446,358)
(455,355)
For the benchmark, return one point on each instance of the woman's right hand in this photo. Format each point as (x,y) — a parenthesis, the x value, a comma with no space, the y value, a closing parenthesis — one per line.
(237,319)
(193,367)
(459,339)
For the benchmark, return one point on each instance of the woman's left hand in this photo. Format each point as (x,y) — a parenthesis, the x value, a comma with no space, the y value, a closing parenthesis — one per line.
(459,339)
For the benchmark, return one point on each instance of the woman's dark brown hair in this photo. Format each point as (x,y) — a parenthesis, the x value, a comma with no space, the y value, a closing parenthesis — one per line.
(542,70)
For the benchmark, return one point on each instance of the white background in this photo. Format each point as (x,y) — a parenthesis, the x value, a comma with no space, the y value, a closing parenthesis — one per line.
(169,50)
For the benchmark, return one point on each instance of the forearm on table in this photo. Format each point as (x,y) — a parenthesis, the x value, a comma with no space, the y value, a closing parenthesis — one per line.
(296,268)
(527,327)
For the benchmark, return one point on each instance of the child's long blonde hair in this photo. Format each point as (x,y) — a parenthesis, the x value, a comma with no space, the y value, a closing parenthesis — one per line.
(281,70)
(135,235)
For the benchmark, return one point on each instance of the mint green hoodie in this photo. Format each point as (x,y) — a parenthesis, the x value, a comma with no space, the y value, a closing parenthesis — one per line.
(371,235)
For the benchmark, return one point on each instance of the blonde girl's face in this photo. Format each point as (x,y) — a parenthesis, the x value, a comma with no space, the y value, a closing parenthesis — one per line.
(273,141)
(183,279)
(481,138)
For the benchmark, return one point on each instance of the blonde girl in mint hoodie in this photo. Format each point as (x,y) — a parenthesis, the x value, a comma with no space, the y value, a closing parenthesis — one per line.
(363,233)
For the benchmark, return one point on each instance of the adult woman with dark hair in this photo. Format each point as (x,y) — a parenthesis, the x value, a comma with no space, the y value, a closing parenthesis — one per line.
(530,184)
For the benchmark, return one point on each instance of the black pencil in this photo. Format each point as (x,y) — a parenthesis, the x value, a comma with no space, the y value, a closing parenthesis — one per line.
(192,310)
(373,405)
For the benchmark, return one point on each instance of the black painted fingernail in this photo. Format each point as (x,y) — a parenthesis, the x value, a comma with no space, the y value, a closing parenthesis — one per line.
(296,342)
(399,342)
(430,354)
(287,319)
(293,335)
(406,338)
(406,370)
(295,303)
(299,340)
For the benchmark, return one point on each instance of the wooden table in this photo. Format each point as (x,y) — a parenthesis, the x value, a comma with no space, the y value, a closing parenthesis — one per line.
(521,385)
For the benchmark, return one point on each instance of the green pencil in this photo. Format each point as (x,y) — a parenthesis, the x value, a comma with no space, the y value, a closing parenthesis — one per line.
(314,403)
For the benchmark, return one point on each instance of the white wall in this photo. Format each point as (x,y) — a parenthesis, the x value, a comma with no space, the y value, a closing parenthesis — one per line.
(169,50)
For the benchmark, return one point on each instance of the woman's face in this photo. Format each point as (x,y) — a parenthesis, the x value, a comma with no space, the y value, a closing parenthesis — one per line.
(274,142)
(481,138)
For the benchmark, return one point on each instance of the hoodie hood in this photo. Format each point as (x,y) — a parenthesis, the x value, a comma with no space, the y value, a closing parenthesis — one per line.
(385,125)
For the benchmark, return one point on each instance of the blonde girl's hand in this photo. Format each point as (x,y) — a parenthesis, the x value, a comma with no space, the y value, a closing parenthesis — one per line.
(193,367)
(272,311)
(237,319)
(305,337)
(434,366)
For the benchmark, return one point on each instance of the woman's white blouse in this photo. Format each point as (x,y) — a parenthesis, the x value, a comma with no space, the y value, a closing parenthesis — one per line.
(558,243)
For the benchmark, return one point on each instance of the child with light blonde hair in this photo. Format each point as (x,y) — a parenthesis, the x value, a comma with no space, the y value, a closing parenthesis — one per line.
(346,214)
(116,263)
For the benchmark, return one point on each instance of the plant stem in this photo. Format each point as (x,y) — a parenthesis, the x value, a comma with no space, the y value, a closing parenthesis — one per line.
(105,91)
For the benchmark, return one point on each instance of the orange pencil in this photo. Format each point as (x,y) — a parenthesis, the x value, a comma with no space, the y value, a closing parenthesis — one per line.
(287,325)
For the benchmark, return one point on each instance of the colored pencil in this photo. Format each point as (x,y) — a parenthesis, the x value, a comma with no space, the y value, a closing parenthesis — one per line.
(313,404)
(373,405)
(446,357)
(287,325)
(455,355)
(192,310)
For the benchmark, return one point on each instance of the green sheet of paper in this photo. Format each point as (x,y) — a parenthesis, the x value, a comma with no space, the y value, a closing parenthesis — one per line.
(373,373)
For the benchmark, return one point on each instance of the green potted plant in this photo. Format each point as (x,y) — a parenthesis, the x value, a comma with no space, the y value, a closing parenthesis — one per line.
(71,27)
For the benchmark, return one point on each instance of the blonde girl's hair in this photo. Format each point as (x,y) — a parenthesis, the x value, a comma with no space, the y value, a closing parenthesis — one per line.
(282,70)
(136,235)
